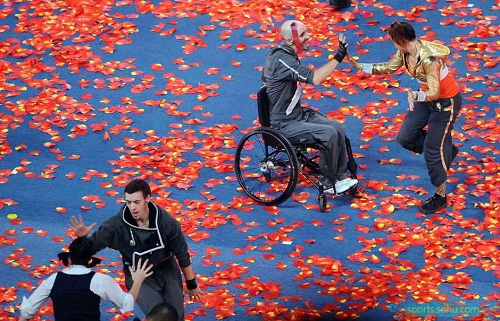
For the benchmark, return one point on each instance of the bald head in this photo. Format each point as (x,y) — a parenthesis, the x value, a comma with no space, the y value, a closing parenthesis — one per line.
(286,28)
(299,42)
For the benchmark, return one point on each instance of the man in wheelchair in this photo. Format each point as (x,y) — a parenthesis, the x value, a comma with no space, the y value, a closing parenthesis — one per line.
(283,75)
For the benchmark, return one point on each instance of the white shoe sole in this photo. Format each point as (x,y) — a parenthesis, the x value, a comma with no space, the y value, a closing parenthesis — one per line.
(353,183)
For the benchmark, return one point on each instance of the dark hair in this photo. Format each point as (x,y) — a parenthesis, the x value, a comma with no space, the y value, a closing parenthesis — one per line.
(138,185)
(401,32)
(163,312)
(80,253)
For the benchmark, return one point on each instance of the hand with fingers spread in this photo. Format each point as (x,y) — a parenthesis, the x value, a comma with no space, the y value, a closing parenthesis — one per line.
(342,51)
(77,225)
(142,271)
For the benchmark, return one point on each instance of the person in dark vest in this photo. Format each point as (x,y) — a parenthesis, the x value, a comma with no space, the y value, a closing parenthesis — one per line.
(76,291)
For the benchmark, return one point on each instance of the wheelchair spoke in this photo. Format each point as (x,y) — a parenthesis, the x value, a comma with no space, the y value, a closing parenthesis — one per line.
(264,168)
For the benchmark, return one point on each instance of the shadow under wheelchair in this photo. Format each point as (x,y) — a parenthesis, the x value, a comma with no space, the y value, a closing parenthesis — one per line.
(268,166)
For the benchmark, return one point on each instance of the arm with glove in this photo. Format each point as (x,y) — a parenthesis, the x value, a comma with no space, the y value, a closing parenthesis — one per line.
(322,72)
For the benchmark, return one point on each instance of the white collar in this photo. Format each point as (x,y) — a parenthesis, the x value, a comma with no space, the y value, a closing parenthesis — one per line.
(76,270)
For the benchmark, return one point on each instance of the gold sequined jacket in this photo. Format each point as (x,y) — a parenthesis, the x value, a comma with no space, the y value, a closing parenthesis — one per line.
(430,69)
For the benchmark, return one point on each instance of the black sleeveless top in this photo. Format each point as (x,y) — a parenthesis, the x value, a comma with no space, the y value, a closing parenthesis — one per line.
(73,300)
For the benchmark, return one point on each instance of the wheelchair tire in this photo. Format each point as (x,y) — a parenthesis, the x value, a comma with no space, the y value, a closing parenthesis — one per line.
(266,166)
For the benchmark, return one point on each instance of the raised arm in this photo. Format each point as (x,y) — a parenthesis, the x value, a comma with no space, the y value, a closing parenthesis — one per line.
(108,289)
(378,68)
(79,227)
(322,72)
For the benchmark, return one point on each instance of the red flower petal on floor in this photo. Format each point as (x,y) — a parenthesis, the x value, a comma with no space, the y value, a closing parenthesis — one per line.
(241,46)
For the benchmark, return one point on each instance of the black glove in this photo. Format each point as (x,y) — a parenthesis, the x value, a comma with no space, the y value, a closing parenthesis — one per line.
(340,55)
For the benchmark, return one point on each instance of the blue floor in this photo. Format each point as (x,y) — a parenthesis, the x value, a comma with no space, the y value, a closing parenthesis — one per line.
(93,94)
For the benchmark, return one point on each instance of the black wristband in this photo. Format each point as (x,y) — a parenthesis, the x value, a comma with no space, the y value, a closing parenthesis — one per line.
(341,53)
(191,284)
(339,57)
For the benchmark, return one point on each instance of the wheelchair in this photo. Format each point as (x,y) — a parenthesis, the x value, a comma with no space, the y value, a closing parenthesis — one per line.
(267,164)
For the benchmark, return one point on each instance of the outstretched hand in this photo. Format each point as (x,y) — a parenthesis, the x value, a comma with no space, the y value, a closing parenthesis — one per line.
(142,271)
(78,227)
(342,43)
(342,51)
(350,59)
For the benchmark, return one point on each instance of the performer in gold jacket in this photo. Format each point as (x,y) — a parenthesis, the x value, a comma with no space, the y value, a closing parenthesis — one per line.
(436,104)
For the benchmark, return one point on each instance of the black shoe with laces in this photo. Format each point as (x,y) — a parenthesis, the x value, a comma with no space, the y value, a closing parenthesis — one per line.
(433,204)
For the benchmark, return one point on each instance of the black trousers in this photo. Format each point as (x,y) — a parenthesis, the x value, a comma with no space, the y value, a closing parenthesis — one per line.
(434,142)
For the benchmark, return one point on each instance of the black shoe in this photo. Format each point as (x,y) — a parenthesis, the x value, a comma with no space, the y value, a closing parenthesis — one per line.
(433,204)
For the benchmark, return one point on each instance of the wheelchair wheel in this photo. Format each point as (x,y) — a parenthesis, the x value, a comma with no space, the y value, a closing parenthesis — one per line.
(266,166)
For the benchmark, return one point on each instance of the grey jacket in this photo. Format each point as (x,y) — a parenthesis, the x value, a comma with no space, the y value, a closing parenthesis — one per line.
(157,243)
(281,74)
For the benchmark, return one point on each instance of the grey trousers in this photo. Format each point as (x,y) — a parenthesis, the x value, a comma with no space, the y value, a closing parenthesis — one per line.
(314,127)
(435,142)
(165,285)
